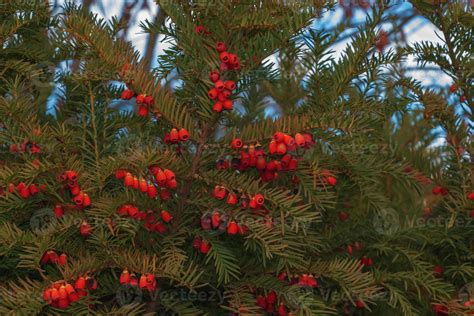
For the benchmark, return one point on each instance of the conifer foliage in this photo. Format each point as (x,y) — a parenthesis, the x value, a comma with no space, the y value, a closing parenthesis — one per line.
(172,191)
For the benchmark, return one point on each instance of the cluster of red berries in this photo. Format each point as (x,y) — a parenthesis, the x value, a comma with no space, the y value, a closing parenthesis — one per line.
(202,245)
(255,202)
(151,222)
(26,147)
(165,179)
(269,302)
(299,279)
(80,198)
(202,30)
(143,101)
(61,294)
(147,281)
(357,246)
(223,89)
(439,190)
(366,261)
(26,191)
(280,145)
(51,256)
(218,221)
(175,136)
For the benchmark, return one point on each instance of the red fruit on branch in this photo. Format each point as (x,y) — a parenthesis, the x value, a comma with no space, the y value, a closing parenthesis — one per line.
(125,277)
(127,94)
(220,47)
(219,192)
(219,85)
(80,283)
(214,76)
(232,228)
(62,259)
(224,57)
(174,135)
(213,93)
(166,216)
(230,85)
(204,247)
(85,229)
(183,135)
(215,219)
(232,198)
(228,105)
(453,88)
(217,107)
(470,196)
(236,143)
(332,181)
(437,190)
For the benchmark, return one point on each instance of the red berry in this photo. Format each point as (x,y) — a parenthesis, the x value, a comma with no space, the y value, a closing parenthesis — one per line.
(261,301)
(232,228)
(62,259)
(219,85)
(228,105)
(279,137)
(453,88)
(199,29)
(183,134)
(164,195)
(127,94)
(232,198)
(169,174)
(142,111)
(462,99)
(233,60)
(120,174)
(219,192)
(85,229)
(224,57)
(271,297)
(217,107)
(140,98)
(148,100)
(331,180)
(143,185)
(281,149)
(438,270)
(236,143)
(470,196)
(220,47)
(230,85)
(174,135)
(197,242)
(24,193)
(259,199)
(128,180)
(166,216)
(204,247)
(213,93)
(80,283)
(151,191)
(215,219)
(214,76)
(289,141)
(437,190)
(343,216)
(299,140)
(272,147)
